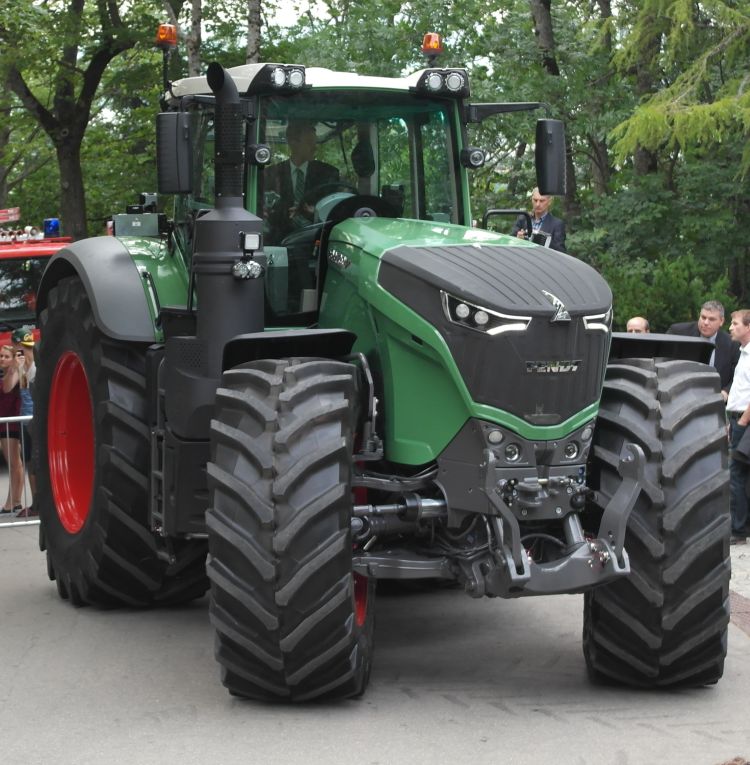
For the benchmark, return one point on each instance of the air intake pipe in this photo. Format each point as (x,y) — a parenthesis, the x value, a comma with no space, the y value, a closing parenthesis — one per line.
(227,271)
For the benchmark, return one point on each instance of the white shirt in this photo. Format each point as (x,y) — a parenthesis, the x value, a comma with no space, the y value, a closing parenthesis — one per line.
(739,393)
(293,169)
(712,340)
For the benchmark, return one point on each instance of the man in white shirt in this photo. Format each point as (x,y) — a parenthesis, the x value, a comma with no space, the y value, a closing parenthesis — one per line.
(738,414)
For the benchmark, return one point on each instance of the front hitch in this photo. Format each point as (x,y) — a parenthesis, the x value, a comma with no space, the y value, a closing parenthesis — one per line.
(592,562)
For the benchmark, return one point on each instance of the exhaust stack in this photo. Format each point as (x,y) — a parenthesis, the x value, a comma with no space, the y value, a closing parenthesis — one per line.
(229,283)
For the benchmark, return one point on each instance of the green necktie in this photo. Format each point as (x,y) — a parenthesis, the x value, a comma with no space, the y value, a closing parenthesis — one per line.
(299,185)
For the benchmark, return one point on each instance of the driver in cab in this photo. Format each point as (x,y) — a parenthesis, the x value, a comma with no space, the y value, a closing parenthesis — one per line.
(291,185)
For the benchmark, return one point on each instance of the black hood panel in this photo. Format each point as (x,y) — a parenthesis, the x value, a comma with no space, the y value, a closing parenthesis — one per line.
(506,279)
(544,374)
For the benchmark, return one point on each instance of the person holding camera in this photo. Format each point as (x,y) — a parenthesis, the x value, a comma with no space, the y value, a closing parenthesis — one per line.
(543,223)
(10,433)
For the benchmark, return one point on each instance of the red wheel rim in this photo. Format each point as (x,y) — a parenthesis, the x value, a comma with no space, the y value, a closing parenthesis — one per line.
(361,587)
(70,442)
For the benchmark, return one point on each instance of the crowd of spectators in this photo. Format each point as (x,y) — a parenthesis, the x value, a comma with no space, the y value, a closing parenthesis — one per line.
(731,359)
(18,371)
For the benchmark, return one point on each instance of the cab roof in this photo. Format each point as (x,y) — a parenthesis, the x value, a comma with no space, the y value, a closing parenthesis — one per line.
(317,77)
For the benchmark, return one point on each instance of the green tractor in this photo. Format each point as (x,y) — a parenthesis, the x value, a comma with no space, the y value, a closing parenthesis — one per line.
(293,388)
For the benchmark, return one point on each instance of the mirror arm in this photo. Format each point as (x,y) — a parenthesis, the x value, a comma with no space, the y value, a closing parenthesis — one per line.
(480,112)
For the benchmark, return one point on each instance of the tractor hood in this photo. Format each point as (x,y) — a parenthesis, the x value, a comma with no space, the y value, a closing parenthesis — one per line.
(512,279)
(528,327)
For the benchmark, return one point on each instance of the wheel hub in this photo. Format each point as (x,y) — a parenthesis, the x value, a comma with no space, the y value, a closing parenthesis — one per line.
(70,442)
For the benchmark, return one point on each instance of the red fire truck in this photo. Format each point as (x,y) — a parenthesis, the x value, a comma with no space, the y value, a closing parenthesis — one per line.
(21,267)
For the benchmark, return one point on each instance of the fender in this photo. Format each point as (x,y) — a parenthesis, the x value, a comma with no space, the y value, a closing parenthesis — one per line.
(112,282)
(651,345)
(322,343)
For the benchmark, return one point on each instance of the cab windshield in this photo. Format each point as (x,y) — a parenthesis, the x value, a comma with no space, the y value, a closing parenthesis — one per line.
(327,145)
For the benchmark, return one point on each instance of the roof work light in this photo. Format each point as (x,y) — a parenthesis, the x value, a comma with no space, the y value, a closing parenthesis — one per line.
(166,37)
(432,44)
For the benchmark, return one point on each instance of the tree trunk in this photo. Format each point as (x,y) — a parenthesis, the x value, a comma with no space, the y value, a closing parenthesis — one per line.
(645,161)
(601,167)
(601,171)
(541,12)
(72,199)
(4,140)
(193,40)
(254,24)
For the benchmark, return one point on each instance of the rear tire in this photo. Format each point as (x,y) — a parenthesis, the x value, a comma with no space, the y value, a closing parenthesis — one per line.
(92,450)
(292,621)
(666,624)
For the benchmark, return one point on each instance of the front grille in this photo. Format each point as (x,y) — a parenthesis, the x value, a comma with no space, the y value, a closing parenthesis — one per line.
(544,374)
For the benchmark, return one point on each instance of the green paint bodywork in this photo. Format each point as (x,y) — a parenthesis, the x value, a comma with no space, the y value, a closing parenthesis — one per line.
(168,271)
(425,400)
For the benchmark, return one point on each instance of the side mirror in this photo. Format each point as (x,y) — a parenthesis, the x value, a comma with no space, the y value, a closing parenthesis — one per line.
(514,213)
(174,167)
(549,157)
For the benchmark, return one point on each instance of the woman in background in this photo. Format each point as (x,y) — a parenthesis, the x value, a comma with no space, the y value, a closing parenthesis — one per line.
(10,433)
(23,345)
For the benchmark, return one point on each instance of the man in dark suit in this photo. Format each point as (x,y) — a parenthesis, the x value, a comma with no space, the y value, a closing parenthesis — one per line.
(293,185)
(543,222)
(708,326)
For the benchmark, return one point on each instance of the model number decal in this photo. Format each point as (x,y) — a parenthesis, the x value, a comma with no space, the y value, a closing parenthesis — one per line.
(552,367)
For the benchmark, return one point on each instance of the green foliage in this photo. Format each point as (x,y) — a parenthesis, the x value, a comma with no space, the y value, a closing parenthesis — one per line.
(704,61)
(664,291)
(665,252)
(666,240)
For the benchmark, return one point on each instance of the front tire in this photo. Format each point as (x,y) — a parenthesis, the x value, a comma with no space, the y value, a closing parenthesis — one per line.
(292,621)
(92,447)
(666,624)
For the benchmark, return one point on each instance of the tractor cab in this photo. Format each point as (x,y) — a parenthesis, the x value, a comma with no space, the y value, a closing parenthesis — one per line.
(315,148)
(358,157)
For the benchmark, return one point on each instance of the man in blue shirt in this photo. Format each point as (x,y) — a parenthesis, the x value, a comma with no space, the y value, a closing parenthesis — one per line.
(542,222)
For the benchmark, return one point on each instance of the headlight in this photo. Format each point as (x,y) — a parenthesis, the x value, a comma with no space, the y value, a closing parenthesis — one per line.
(600,321)
(444,82)
(278,78)
(472,157)
(481,319)
(259,154)
(454,81)
(571,450)
(434,81)
(512,452)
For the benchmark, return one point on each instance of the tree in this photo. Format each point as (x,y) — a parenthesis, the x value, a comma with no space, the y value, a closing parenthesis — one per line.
(705,48)
(22,154)
(56,75)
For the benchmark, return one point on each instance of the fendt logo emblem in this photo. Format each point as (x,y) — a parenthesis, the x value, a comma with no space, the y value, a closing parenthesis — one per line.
(552,367)
(561,312)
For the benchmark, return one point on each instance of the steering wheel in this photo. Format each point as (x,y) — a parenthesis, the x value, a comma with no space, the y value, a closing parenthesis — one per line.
(316,193)
(361,206)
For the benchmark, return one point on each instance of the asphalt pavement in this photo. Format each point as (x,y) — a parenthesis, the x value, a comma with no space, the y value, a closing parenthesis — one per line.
(455,680)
